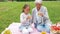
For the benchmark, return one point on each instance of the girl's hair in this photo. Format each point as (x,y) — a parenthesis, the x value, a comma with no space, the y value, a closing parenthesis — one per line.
(26,5)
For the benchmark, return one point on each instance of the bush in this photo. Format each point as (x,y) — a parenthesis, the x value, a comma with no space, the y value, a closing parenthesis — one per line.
(34,0)
(25,0)
(5,0)
(49,0)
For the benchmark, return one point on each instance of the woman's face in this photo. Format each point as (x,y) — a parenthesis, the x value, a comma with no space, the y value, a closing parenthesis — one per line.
(27,9)
(38,5)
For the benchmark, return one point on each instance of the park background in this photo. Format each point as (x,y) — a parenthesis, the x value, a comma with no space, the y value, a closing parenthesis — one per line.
(10,11)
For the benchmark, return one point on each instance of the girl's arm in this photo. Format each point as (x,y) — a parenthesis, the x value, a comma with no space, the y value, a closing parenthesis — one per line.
(22,19)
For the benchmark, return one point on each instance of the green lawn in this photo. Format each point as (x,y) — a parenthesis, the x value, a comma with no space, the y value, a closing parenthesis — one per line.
(10,12)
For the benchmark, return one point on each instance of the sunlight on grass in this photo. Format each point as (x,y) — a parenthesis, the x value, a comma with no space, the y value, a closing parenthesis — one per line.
(10,12)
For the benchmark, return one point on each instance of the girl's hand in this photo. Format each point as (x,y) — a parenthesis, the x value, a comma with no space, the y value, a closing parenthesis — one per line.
(29,17)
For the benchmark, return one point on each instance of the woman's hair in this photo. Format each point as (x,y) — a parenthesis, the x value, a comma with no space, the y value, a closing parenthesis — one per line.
(25,6)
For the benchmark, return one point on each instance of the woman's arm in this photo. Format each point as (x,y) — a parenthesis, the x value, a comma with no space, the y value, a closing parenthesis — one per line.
(46,13)
(46,17)
(33,16)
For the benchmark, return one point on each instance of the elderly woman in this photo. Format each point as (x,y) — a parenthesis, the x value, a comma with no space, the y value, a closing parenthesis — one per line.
(40,17)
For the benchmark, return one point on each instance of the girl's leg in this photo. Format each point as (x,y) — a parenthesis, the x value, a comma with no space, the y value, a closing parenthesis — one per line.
(30,29)
(21,28)
(25,31)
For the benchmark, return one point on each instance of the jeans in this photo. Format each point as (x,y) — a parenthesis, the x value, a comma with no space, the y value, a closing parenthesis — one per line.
(25,29)
(43,27)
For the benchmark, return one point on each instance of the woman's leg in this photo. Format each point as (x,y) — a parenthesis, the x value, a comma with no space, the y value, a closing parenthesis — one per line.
(35,24)
(40,28)
(47,28)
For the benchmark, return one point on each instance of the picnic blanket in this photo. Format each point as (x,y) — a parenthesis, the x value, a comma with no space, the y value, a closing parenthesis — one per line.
(14,28)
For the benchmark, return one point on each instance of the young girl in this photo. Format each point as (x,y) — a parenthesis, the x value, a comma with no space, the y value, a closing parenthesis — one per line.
(25,19)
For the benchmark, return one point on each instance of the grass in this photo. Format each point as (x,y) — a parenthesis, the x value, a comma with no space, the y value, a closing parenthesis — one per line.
(10,12)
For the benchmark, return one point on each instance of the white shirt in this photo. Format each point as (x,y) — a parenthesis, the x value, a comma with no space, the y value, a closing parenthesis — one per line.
(39,18)
(23,18)
(44,10)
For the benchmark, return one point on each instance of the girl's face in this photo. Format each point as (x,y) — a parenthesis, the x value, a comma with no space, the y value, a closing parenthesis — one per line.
(27,9)
(38,5)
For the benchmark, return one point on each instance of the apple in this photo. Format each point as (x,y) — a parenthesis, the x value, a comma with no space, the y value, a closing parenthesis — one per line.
(54,28)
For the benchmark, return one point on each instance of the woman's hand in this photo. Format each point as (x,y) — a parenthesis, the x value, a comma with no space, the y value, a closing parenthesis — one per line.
(40,14)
